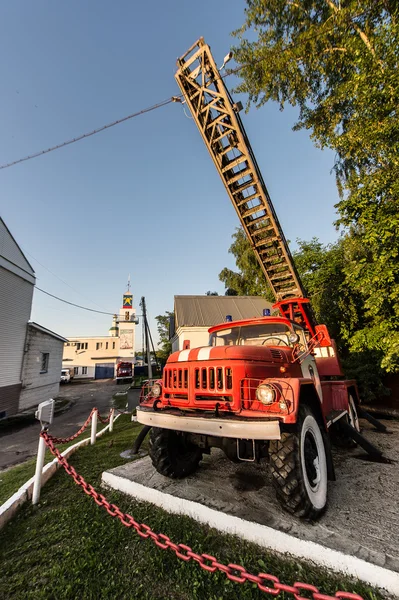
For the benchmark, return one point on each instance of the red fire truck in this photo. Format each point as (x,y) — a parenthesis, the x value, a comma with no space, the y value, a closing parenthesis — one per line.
(124,372)
(265,388)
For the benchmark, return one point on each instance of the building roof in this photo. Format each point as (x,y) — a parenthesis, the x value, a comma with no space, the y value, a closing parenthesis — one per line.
(205,311)
(11,256)
(46,331)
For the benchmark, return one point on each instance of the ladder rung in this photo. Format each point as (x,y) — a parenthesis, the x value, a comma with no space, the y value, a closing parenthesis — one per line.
(240,175)
(265,241)
(223,133)
(272,268)
(257,220)
(252,210)
(281,276)
(225,150)
(243,186)
(234,163)
(247,199)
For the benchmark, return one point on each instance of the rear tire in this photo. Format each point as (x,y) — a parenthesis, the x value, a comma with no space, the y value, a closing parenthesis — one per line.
(172,455)
(299,468)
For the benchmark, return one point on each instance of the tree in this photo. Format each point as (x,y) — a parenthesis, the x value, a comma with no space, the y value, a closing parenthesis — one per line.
(163,326)
(209,293)
(249,280)
(338,62)
(322,271)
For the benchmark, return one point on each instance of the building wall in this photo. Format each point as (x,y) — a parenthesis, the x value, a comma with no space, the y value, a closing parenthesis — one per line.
(197,336)
(83,353)
(38,386)
(15,306)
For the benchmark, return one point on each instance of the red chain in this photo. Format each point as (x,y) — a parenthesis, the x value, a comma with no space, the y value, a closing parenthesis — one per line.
(266,583)
(56,440)
(104,420)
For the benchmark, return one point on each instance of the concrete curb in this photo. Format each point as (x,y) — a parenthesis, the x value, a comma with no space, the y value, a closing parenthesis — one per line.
(262,535)
(11,506)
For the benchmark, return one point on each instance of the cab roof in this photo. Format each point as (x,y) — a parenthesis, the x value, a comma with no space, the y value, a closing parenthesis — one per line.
(255,321)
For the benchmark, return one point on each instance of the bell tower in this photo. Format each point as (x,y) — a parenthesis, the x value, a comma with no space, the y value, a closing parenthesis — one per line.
(127,322)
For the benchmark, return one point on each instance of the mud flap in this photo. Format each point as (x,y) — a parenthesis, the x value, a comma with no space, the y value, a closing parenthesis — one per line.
(329,457)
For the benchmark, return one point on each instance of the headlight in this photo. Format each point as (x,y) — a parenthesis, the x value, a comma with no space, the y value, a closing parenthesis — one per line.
(156,390)
(266,394)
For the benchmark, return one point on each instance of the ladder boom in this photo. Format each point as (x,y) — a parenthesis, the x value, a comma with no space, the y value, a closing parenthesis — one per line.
(217,118)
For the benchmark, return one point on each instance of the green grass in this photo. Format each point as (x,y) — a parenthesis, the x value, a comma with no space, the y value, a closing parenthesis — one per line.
(67,547)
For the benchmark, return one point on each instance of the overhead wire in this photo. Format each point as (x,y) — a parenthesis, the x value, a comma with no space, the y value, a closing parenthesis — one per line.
(89,134)
(149,108)
(55,275)
(101,312)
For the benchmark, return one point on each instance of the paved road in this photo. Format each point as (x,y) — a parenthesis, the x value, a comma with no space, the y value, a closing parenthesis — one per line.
(18,445)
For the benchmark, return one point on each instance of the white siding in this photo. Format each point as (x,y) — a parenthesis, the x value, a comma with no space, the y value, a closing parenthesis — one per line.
(15,306)
(10,251)
(197,336)
(37,386)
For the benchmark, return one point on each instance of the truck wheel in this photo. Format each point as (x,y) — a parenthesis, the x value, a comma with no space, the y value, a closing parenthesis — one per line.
(172,455)
(299,468)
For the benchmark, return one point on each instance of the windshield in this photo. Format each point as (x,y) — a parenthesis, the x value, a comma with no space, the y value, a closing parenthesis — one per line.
(264,334)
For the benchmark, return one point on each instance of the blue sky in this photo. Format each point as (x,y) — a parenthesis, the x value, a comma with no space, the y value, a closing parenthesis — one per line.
(143,197)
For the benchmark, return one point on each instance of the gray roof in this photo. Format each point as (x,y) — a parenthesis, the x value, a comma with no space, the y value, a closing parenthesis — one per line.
(46,331)
(205,311)
(10,250)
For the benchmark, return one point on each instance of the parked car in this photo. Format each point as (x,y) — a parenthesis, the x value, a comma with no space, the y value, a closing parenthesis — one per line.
(65,376)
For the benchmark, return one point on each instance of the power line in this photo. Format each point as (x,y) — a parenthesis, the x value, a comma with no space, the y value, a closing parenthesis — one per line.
(159,104)
(72,304)
(86,135)
(54,274)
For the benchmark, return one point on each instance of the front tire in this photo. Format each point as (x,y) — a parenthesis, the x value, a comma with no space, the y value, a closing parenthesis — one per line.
(172,455)
(299,468)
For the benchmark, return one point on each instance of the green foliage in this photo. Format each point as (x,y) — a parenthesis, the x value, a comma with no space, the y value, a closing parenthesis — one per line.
(209,293)
(163,326)
(249,280)
(322,269)
(338,63)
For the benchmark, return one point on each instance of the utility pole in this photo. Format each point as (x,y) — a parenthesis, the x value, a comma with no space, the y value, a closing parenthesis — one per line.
(146,331)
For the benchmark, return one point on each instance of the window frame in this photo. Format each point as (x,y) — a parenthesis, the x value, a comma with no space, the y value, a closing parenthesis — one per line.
(44,362)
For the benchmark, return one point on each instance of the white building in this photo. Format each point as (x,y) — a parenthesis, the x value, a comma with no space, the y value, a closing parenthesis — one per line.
(42,366)
(17,280)
(194,315)
(96,357)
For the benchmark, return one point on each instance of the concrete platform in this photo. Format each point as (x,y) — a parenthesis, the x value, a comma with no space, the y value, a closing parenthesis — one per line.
(361,522)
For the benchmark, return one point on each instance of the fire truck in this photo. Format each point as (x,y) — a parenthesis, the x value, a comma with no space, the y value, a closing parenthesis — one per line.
(270,387)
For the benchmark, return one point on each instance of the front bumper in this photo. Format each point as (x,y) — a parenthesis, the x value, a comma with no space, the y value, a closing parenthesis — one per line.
(246,430)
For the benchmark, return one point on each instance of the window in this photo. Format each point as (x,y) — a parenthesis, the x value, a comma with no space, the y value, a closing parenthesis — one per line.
(106,345)
(44,362)
(84,370)
(99,345)
(86,345)
(76,370)
(113,345)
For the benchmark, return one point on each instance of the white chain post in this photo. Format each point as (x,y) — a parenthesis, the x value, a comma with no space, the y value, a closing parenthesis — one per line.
(44,414)
(37,484)
(93,427)
(111,420)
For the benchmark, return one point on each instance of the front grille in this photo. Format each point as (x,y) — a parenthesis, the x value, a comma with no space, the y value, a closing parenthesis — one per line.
(176,379)
(213,378)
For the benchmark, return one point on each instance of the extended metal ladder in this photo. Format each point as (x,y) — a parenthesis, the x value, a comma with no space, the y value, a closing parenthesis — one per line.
(220,125)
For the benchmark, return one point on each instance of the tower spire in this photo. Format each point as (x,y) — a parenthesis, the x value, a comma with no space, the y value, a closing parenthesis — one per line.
(128,283)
